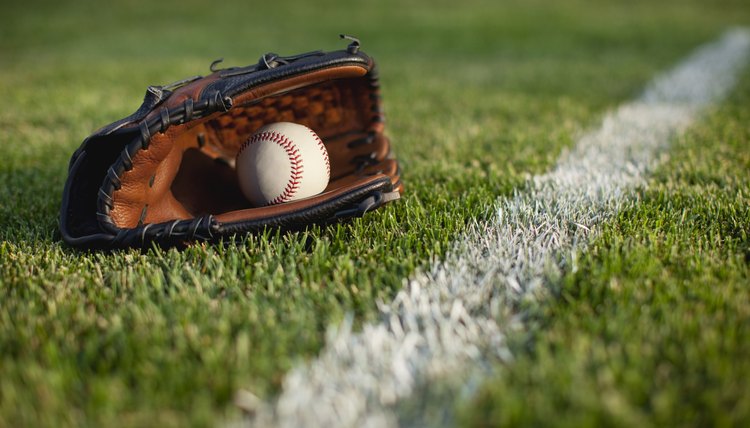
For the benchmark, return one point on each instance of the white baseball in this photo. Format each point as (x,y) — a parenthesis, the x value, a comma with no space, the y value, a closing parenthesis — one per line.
(282,162)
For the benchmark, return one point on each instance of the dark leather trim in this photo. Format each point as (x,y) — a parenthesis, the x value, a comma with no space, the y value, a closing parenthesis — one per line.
(320,213)
(67,234)
(237,84)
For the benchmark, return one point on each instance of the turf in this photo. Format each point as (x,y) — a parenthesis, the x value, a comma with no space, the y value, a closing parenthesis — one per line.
(653,326)
(478,96)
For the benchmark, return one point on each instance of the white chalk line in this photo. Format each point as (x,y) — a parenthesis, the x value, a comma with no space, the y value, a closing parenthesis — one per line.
(453,318)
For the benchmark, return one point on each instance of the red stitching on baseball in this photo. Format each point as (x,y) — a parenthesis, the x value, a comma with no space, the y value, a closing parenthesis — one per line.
(323,149)
(294,158)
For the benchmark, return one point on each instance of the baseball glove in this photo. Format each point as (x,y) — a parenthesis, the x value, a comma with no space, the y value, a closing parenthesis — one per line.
(165,174)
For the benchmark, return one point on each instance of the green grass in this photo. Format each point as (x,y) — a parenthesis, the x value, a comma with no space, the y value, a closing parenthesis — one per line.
(478,95)
(653,327)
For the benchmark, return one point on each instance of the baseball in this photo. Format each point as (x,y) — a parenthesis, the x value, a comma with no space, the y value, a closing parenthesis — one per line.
(282,162)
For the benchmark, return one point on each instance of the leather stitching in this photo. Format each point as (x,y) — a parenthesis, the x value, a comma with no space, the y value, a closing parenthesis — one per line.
(323,150)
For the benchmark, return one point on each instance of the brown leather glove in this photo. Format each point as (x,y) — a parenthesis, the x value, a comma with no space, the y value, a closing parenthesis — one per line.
(165,173)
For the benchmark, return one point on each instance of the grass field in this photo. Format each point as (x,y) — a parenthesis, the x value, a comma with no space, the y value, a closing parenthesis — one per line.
(651,329)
